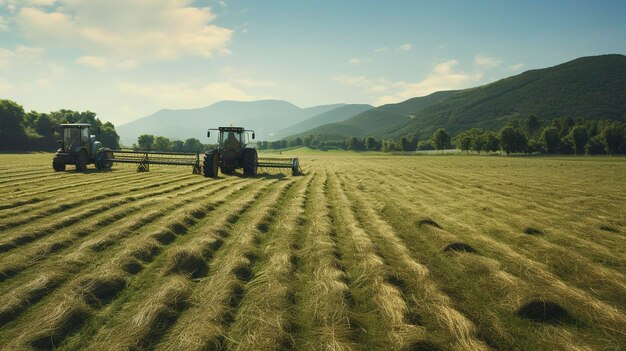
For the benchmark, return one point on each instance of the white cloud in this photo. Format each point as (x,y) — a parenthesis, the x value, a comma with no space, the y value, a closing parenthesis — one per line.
(21,54)
(135,30)
(405,47)
(104,63)
(486,62)
(516,67)
(444,76)
(3,25)
(360,60)
(381,49)
(93,61)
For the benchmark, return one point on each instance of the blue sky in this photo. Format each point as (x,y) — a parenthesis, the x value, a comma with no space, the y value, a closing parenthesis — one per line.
(127,59)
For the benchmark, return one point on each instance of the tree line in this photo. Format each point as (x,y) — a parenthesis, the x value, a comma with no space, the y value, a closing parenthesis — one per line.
(159,143)
(564,135)
(20,130)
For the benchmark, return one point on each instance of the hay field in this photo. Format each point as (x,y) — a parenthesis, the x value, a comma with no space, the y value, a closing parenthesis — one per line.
(360,253)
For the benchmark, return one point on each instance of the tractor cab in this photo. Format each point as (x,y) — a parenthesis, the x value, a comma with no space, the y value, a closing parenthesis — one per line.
(74,136)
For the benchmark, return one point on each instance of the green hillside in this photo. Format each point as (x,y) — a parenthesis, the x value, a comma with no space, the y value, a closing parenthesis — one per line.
(335,115)
(379,121)
(589,87)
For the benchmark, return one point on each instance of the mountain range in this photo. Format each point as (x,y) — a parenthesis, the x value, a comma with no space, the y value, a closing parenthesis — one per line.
(589,87)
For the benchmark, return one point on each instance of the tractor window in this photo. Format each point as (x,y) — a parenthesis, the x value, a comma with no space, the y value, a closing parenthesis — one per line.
(232,142)
(71,138)
(85,135)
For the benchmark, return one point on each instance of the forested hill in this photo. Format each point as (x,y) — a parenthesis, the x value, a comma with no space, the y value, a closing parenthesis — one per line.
(588,87)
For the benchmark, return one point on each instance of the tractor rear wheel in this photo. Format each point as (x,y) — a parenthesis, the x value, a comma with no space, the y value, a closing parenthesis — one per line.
(81,161)
(210,165)
(250,161)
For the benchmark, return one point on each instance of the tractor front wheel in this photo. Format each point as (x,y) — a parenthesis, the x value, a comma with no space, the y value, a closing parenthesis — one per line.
(81,161)
(102,160)
(210,166)
(250,161)
(57,165)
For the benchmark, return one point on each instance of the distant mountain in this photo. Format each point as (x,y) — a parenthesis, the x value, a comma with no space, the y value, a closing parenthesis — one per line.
(335,115)
(379,121)
(590,87)
(264,116)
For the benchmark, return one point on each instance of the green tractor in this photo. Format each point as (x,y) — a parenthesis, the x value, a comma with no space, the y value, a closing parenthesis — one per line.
(232,153)
(79,147)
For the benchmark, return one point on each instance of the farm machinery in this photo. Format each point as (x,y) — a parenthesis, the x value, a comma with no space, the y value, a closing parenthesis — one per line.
(233,153)
(80,148)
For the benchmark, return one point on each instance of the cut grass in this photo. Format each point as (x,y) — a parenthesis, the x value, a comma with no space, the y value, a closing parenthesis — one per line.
(362,252)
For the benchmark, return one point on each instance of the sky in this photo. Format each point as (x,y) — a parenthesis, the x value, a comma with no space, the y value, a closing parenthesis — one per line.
(127,59)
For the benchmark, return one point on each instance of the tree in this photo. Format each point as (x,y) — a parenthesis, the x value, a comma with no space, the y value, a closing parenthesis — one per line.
(595,146)
(371,144)
(12,134)
(550,139)
(531,124)
(521,141)
(193,145)
(613,137)
(177,145)
(477,142)
(440,139)
(533,146)
(145,141)
(579,136)
(108,136)
(425,145)
(508,140)
(390,145)
(491,143)
(161,144)
(405,144)
(463,141)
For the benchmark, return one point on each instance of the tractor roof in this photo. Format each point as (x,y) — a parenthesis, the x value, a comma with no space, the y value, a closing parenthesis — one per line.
(232,129)
(76,125)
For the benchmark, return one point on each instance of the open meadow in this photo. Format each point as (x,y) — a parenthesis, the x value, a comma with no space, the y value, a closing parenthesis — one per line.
(359,253)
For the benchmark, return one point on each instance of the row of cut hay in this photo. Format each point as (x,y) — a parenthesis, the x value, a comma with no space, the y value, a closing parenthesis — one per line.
(71,203)
(517,212)
(75,196)
(545,206)
(54,190)
(107,279)
(263,320)
(61,239)
(541,283)
(427,304)
(322,312)
(179,260)
(84,254)
(382,305)
(216,297)
(574,266)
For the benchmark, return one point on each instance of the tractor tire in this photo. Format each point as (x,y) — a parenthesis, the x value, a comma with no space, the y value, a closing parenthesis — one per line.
(102,158)
(250,161)
(228,170)
(58,166)
(81,161)
(210,166)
